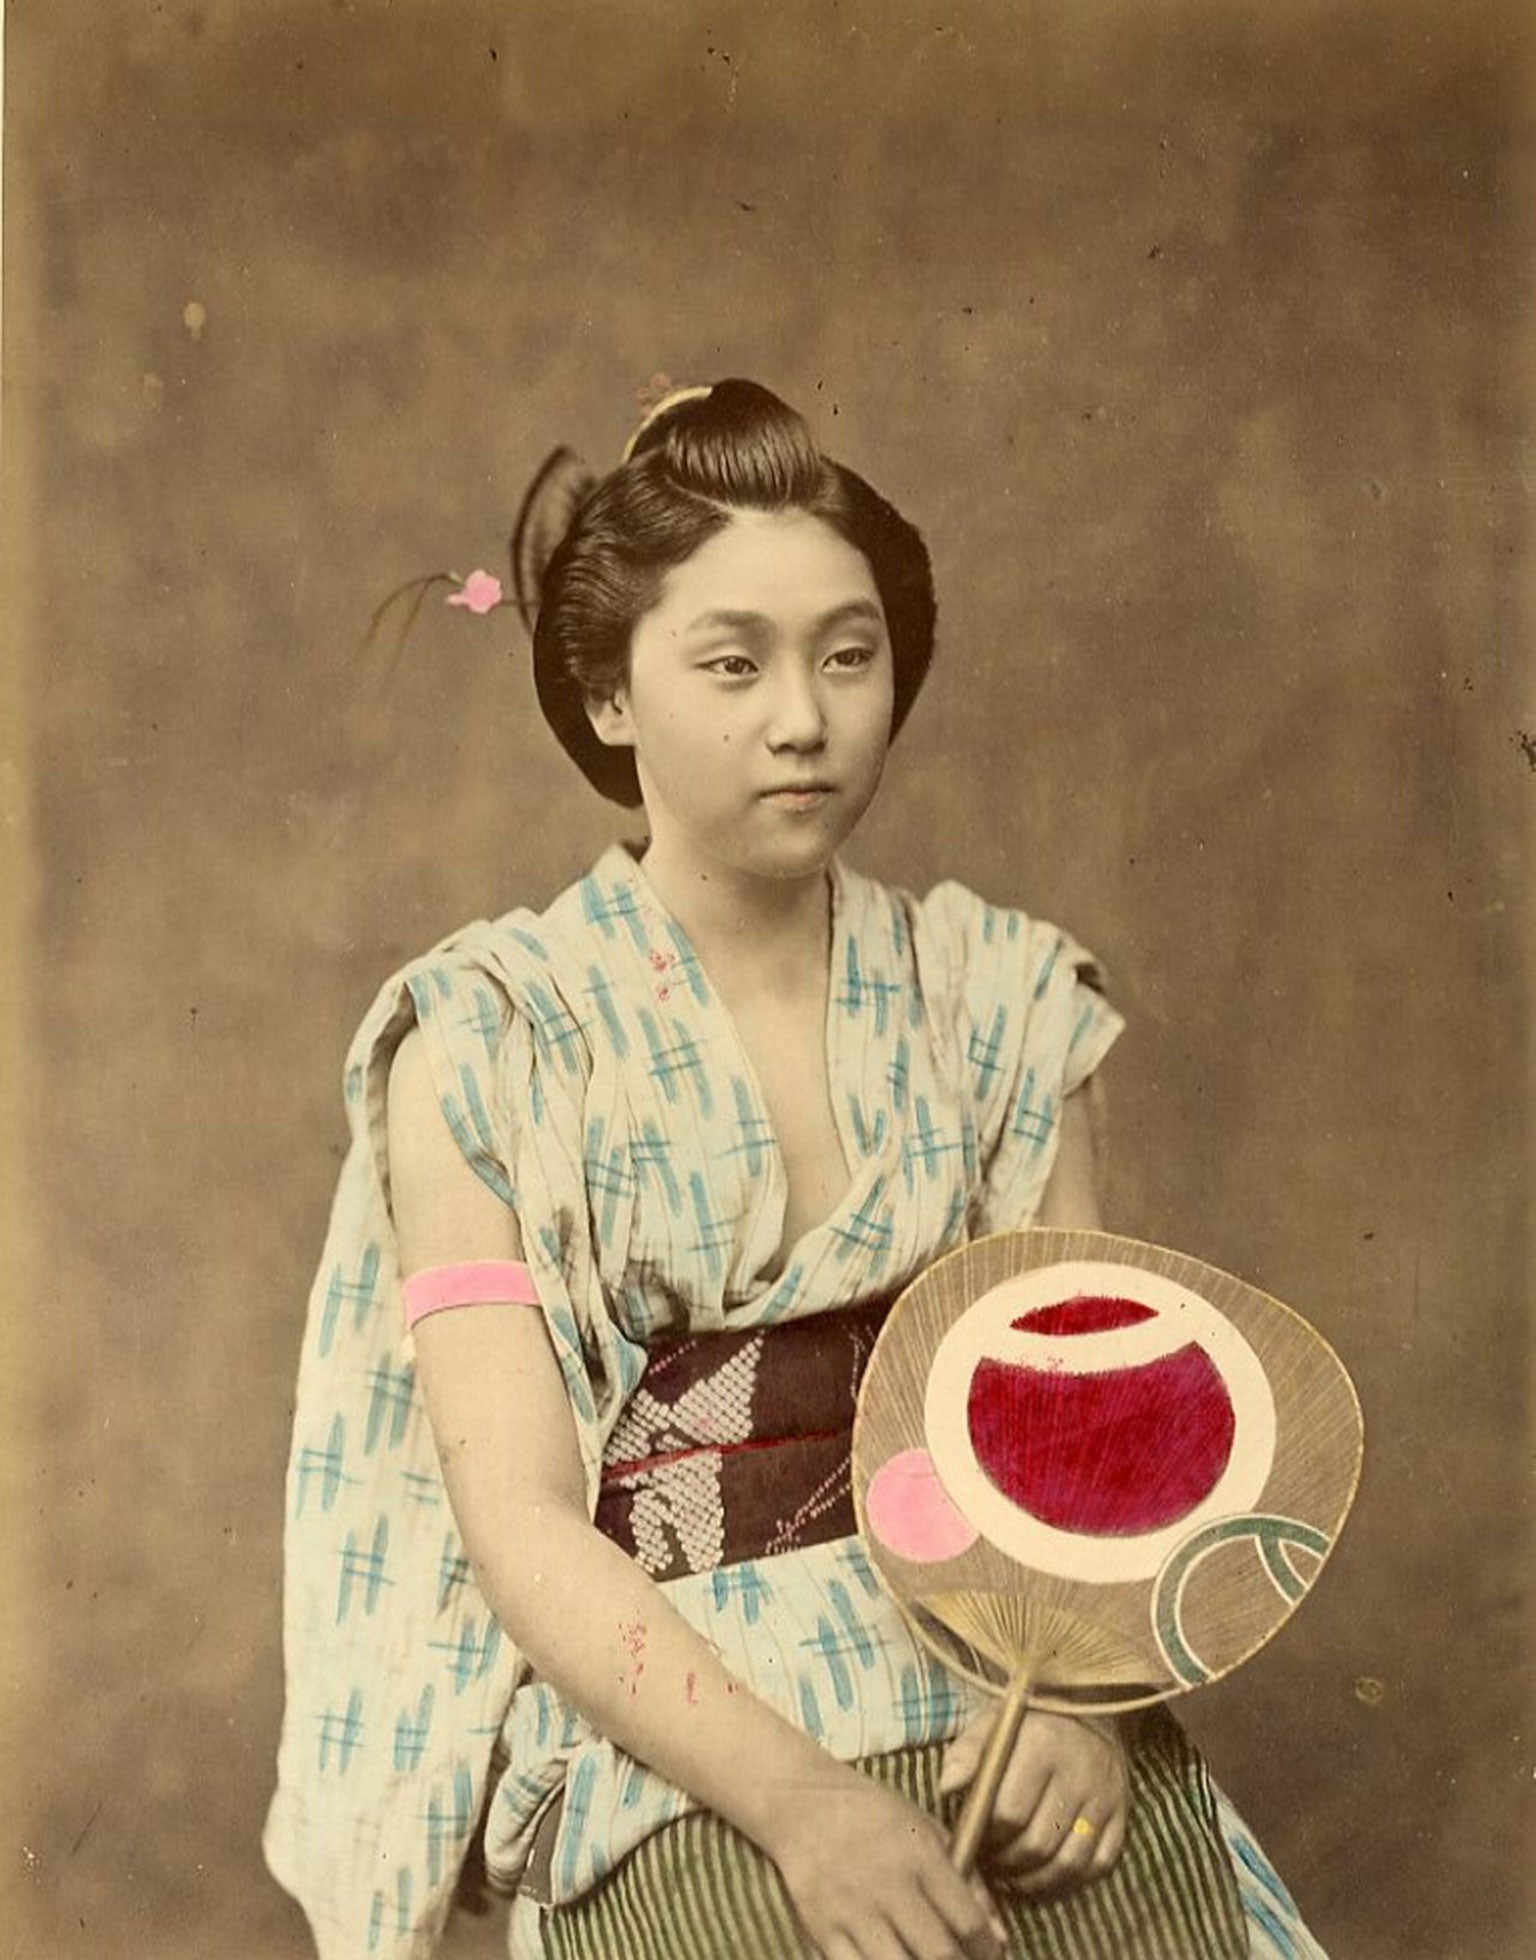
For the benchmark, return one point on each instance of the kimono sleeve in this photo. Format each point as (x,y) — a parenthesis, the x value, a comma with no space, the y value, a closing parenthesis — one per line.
(398,1676)
(1029,1025)
(510,1065)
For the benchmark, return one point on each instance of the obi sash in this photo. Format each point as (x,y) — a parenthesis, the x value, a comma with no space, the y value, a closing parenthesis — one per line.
(736,1444)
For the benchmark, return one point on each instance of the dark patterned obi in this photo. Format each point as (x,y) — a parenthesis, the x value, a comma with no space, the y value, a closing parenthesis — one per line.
(736,1444)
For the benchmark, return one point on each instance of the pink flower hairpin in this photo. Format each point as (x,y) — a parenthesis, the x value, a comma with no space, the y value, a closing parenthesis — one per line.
(479,593)
(650,394)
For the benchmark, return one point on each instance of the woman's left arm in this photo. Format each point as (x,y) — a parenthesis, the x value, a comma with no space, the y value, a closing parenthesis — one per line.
(1061,1811)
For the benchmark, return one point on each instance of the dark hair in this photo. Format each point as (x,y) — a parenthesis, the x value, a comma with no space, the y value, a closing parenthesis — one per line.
(738,447)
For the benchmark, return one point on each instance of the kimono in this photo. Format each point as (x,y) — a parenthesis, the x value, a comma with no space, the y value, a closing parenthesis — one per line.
(595,1082)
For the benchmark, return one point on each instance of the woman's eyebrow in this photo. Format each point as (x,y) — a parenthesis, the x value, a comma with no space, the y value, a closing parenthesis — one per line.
(730,620)
(854,611)
(739,621)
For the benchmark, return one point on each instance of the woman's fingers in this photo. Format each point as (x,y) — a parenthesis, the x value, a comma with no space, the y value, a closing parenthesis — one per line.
(1066,1828)
(1071,1864)
(971,1920)
(880,1941)
(962,1756)
(1022,1793)
(870,1879)
(932,1934)
(1060,1815)
(1109,1843)
(1065,1844)
(1038,1830)
(921,1932)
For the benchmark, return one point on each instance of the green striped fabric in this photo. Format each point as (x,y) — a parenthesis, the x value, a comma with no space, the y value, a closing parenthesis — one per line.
(698,1890)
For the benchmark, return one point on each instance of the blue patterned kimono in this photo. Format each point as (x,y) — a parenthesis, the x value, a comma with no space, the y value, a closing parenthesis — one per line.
(596,1083)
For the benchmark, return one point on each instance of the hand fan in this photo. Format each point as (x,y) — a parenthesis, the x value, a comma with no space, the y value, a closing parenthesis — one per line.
(1095,1473)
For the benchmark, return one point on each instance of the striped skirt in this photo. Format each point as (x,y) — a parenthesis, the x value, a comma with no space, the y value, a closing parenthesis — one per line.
(698,1890)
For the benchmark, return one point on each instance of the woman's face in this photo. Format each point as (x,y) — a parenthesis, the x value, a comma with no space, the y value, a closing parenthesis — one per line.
(759,699)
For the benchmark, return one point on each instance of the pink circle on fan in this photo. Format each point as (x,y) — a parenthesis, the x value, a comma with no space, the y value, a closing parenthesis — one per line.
(912,1514)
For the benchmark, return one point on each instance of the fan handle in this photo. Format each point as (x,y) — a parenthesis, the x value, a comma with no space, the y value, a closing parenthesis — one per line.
(976,1811)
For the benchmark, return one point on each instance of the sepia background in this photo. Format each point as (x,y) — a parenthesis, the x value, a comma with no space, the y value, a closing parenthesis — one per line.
(1193,336)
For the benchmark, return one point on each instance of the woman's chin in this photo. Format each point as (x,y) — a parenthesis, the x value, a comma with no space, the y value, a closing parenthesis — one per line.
(800,848)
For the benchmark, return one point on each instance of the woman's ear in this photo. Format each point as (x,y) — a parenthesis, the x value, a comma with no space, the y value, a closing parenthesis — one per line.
(609,716)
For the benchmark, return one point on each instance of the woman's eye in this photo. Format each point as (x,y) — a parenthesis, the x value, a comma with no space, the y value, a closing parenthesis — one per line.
(733,666)
(851,657)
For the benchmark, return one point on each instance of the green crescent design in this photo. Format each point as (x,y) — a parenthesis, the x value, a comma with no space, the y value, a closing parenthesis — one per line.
(1276,1538)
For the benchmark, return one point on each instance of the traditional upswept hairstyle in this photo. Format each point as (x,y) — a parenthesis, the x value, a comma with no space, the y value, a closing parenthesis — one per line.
(703,455)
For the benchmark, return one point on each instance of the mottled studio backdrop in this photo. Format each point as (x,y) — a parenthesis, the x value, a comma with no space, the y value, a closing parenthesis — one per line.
(1194,337)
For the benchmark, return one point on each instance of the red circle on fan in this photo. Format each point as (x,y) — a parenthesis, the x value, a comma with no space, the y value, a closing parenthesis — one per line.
(1082,1451)
(1086,1417)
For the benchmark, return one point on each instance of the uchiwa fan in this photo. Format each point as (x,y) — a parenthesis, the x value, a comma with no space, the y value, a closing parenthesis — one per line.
(1095,1473)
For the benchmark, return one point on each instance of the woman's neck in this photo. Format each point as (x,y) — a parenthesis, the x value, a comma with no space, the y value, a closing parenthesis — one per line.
(741,924)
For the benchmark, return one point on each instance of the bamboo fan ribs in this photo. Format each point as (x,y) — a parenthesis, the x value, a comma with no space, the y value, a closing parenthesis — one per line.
(1096,1473)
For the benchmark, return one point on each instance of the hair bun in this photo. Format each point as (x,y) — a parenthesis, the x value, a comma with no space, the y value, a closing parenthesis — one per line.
(548,506)
(647,434)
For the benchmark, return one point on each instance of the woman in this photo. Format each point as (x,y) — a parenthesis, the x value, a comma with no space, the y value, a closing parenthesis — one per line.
(645,1172)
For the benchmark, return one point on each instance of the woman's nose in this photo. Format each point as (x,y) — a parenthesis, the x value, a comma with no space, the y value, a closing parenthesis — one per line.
(798,719)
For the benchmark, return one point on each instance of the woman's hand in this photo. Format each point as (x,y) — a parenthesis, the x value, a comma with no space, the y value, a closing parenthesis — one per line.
(870,1877)
(1061,1812)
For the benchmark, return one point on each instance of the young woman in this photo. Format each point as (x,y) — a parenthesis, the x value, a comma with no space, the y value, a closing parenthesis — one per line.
(572,1563)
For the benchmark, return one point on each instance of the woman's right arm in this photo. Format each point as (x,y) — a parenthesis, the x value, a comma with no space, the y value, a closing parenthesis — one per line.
(867,1872)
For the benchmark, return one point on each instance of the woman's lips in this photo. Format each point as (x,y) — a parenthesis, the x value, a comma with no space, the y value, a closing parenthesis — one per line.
(800,796)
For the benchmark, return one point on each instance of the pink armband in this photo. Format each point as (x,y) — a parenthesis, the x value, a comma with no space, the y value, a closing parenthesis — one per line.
(479,1282)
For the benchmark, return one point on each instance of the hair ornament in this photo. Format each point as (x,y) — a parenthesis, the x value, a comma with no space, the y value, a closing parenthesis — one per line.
(480,593)
(412,594)
(548,507)
(649,393)
(665,401)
